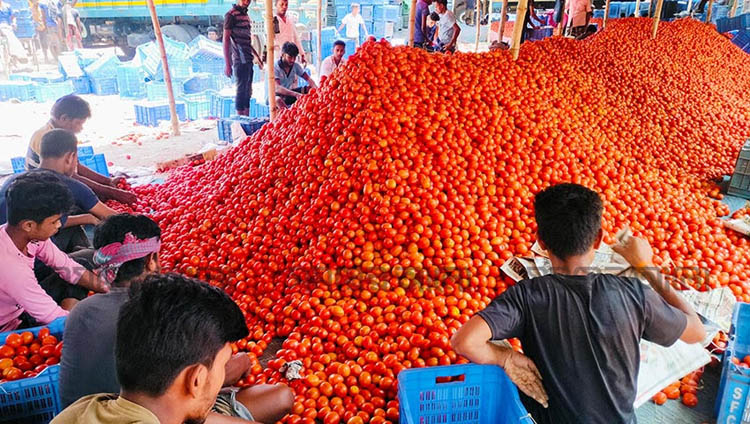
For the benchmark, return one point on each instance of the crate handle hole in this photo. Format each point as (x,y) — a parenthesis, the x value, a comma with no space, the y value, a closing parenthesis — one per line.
(450,379)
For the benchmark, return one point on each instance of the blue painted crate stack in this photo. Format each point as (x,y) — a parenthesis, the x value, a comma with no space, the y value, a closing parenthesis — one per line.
(222,105)
(151,113)
(739,184)
(732,398)
(103,74)
(157,90)
(248,124)
(742,40)
(197,105)
(86,155)
(19,90)
(327,36)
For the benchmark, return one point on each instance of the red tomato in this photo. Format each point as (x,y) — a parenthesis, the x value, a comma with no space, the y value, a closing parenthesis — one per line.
(14,340)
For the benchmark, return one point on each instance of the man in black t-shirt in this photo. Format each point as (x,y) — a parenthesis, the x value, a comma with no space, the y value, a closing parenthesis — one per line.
(580,331)
(238,50)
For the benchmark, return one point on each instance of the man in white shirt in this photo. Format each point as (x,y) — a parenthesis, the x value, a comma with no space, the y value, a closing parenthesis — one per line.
(448,29)
(333,61)
(285,30)
(353,20)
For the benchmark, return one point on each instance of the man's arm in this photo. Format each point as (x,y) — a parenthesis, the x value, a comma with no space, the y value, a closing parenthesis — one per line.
(472,341)
(90,281)
(83,219)
(309,80)
(638,253)
(283,91)
(92,175)
(423,25)
(102,211)
(456,31)
(106,192)
(257,57)
(227,52)
(236,368)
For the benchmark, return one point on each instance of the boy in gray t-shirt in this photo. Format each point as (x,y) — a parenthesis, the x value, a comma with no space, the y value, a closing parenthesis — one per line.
(448,29)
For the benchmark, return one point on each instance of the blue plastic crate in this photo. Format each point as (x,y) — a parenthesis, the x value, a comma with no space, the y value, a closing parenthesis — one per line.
(614,10)
(351,47)
(210,66)
(19,165)
(96,163)
(252,125)
(104,86)
(222,106)
(475,394)
(131,81)
(53,91)
(197,105)
(342,11)
(540,34)
(56,328)
(199,83)
(104,67)
(151,113)
(224,128)
(734,386)
(85,151)
(19,77)
(366,11)
(386,13)
(598,13)
(46,77)
(81,85)
(157,90)
(21,90)
(67,64)
(258,110)
(742,39)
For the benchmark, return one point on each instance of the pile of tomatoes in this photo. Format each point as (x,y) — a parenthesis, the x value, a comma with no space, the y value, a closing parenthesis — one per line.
(23,355)
(370,221)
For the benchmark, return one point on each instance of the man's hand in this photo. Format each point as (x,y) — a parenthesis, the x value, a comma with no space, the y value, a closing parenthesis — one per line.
(91,220)
(122,196)
(236,368)
(91,281)
(115,181)
(636,251)
(523,372)
(228,71)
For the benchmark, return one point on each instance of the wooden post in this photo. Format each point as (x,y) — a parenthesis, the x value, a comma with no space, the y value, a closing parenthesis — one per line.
(638,8)
(710,9)
(479,19)
(504,20)
(319,58)
(657,17)
(606,15)
(518,27)
(489,24)
(733,10)
(412,17)
(165,65)
(270,59)
(560,27)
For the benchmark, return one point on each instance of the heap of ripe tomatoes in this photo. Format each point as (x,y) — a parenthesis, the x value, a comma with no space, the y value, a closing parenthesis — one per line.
(24,355)
(370,221)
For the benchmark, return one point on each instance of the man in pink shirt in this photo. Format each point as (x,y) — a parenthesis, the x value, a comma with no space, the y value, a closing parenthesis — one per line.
(579,12)
(285,30)
(35,203)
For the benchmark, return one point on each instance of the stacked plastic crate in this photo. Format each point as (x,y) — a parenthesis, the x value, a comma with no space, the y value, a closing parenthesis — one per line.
(71,69)
(131,81)
(103,74)
(386,18)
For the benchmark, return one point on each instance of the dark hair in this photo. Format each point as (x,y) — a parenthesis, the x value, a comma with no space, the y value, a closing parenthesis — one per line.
(339,43)
(58,143)
(212,29)
(37,195)
(113,230)
(169,323)
(290,49)
(71,106)
(443,2)
(434,16)
(568,217)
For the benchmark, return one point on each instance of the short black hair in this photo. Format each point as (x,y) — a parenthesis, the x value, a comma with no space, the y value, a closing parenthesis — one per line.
(434,16)
(290,49)
(568,218)
(211,29)
(37,195)
(113,230)
(443,2)
(171,322)
(71,106)
(339,43)
(58,143)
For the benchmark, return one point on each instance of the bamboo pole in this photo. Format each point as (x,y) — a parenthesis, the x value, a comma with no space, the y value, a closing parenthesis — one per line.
(412,17)
(710,9)
(504,20)
(489,24)
(562,19)
(606,15)
(657,17)
(165,65)
(478,20)
(733,10)
(638,8)
(320,33)
(518,27)
(270,59)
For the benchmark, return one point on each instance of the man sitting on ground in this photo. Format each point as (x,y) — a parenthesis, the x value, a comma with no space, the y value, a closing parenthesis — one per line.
(332,62)
(581,329)
(35,203)
(172,348)
(70,113)
(287,71)
(128,251)
(59,154)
